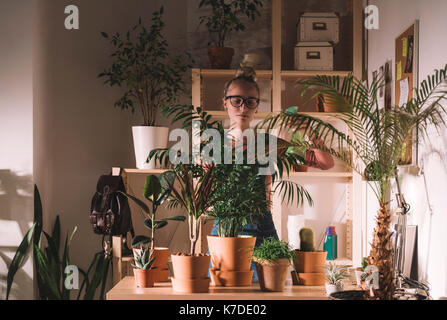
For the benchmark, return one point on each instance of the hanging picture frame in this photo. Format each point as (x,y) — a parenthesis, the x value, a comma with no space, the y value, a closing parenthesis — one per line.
(406,81)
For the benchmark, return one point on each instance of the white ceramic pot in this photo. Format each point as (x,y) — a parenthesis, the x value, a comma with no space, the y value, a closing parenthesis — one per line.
(145,139)
(251,60)
(331,288)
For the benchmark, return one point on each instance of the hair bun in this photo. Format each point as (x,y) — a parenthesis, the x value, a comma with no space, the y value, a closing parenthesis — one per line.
(248,73)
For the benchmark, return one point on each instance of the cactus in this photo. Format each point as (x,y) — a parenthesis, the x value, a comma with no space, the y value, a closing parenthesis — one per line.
(307,239)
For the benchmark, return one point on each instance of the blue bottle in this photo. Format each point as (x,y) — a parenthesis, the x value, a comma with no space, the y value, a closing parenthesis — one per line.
(330,243)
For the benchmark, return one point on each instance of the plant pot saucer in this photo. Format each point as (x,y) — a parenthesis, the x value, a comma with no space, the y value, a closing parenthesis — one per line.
(231,278)
(308,279)
(191,285)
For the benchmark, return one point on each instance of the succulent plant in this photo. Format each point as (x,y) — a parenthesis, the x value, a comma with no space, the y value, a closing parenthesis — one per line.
(307,239)
(144,259)
(335,274)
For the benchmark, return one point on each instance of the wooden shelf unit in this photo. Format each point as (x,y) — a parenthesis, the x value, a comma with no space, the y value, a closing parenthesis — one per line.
(277,76)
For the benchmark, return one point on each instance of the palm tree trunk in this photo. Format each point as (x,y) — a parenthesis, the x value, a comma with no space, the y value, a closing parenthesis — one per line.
(382,256)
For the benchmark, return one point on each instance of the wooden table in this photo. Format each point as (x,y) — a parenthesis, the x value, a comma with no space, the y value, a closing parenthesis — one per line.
(126,290)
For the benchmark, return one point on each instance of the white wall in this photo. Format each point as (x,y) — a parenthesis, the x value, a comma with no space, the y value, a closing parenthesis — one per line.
(427,198)
(16,140)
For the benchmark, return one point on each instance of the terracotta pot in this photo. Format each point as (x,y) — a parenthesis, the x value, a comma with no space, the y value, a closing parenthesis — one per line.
(311,279)
(231,278)
(300,168)
(329,106)
(161,262)
(272,274)
(190,267)
(161,254)
(220,57)
(144,278)
(231,253)
(306,262)
(191,285)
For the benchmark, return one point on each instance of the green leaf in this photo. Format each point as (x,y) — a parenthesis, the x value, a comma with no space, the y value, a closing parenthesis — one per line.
(174,218)
(105,35)
(138,241)
(50,283)
(152,188)
(19,258)
(140,203)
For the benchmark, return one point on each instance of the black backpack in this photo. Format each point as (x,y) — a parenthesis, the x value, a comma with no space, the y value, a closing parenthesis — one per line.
(109,210)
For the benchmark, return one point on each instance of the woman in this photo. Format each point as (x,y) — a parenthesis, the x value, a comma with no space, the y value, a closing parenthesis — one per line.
(241,100)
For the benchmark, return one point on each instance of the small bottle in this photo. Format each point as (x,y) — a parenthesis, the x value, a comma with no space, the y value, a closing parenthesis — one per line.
(330,243)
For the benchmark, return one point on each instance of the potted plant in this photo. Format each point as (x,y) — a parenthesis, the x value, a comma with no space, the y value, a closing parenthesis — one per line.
(153,78)
(360,270)
(308,263)
(334,277)
(143,269)
(156,191)
(272,260)
(298,148)
(224,19)
(378,139)
(241,195)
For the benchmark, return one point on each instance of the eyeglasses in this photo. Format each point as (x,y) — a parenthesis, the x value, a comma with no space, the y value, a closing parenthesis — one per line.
(238,101)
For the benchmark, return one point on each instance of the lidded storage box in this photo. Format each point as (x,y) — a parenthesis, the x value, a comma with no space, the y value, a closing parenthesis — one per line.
(319,26)
(314,56)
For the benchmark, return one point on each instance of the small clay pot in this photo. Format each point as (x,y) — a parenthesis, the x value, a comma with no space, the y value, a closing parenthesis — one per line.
(300,168)
(190,267)
(231,253)
(231,278)
(161,255)
(272,274)
(144,278)
(220,57)
(307,262)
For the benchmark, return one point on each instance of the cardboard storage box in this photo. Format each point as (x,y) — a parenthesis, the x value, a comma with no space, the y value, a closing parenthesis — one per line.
(319,26)
(314,56)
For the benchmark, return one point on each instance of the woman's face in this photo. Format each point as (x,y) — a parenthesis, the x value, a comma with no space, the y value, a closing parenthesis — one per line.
(240,117)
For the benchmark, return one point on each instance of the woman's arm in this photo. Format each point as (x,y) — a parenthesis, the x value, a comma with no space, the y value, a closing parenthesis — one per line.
(318,158)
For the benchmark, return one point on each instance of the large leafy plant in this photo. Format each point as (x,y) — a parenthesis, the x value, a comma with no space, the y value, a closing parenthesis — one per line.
(242,198)
(142,63)
(50,266)
(156,191)
(377,140)
(226,17)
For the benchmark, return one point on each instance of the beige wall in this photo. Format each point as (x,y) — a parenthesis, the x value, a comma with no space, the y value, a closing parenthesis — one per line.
(426,196)
(79,135)
(16,140)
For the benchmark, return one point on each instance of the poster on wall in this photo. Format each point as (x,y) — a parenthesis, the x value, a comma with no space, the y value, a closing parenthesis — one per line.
(406,80)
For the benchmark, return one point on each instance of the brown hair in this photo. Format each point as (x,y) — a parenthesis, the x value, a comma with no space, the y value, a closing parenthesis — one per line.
(243,74)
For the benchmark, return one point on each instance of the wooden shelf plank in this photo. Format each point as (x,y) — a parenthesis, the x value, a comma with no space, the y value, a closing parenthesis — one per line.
(145,171)
(322,174)
(215,73)
(295,74)
(223,115)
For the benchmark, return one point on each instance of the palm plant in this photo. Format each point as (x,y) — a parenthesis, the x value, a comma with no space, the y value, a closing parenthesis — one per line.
(378,137)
